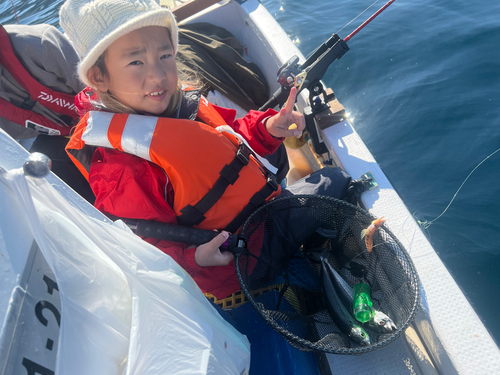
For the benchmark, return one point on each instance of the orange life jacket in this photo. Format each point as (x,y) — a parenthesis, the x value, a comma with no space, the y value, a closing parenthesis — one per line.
(217,181)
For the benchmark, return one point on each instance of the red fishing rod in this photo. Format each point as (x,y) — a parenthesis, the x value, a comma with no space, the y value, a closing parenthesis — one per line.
(348,37)
(14,8)
(308,76)
(314,68)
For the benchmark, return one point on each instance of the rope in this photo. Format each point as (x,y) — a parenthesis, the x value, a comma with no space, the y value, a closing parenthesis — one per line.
(426,224)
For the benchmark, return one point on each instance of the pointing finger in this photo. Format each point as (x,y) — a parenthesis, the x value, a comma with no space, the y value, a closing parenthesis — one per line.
(291,100)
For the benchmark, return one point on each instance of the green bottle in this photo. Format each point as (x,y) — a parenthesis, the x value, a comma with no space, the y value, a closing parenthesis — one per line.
(362,302)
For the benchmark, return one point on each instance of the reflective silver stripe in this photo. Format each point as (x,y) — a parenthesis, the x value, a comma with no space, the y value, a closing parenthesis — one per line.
(137,135)
(96,133)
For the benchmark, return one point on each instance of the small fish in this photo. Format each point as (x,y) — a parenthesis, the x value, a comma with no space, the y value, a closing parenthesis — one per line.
(369,232)
(345,322)
(379,322)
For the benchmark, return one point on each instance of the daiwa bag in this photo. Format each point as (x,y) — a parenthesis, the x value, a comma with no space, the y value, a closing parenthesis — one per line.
(38,82)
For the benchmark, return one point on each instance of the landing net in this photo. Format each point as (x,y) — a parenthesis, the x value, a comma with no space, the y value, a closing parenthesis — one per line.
(285,239)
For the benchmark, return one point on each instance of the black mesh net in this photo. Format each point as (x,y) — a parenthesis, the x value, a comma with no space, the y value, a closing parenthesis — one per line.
(290,244)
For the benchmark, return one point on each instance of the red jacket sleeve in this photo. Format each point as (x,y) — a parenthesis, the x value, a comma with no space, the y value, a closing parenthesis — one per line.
(252,128)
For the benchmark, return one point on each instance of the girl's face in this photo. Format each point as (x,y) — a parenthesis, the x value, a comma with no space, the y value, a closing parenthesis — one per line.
(142,70)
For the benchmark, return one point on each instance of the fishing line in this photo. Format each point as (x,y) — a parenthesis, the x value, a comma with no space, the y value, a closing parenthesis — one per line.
(410,245)
(426,224)
(376,1)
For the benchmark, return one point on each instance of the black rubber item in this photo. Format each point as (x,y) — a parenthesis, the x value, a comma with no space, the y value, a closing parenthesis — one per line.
(170,232)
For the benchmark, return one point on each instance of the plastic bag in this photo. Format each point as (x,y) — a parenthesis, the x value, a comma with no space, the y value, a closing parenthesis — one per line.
(127,308)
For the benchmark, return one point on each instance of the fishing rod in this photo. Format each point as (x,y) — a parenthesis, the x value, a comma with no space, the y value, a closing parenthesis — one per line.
(14,8)
(309,74)
(348,37)
(179,233)
(315,66)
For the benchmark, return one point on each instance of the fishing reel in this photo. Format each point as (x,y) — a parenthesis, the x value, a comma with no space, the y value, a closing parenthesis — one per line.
(291,74)
(308,76)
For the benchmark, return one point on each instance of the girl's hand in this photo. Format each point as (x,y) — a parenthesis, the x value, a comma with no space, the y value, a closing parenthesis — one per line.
(278,125)
(209,254)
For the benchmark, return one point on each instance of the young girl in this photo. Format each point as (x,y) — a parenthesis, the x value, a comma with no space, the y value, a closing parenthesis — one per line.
(151,150)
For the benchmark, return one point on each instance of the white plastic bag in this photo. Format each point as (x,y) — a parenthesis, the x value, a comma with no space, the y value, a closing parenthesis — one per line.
(127,308)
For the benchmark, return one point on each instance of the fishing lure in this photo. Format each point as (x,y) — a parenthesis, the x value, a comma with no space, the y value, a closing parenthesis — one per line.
(362,306)
(369,232)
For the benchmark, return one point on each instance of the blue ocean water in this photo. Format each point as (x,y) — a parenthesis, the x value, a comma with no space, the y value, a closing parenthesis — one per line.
(422,86)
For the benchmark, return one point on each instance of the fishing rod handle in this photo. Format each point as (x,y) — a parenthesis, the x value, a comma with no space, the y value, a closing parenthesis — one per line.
(271,103)
(279,98)
(170,232)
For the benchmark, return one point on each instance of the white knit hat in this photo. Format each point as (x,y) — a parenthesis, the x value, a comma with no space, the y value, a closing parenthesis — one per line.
(92,25)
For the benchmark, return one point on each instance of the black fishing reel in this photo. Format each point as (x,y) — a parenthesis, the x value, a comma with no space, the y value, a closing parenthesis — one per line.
(291,75)
(288,72)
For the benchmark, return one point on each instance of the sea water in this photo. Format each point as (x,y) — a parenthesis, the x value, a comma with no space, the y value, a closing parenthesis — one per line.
(421,84)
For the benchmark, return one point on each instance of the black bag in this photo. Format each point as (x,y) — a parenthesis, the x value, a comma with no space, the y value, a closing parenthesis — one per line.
(215,55)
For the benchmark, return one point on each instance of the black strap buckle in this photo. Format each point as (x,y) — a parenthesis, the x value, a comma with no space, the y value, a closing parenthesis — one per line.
(271,181)
(28,103)
(190,216)
(244,153)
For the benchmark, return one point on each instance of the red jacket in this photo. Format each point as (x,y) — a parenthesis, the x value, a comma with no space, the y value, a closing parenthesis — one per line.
(130,187)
